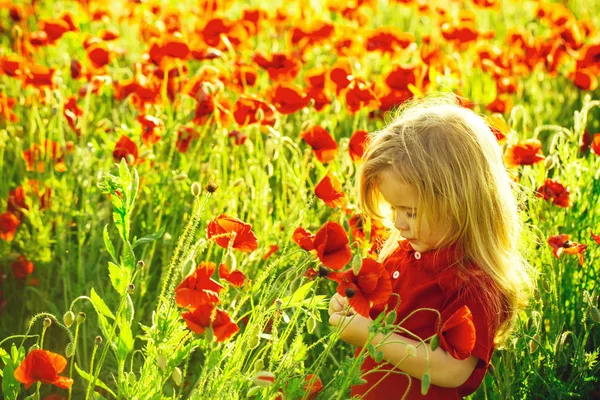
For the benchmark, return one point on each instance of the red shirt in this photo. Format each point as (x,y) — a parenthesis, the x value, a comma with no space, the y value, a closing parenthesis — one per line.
(433,279)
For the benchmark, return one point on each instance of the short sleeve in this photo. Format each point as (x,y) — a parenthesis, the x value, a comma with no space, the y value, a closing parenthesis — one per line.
(476,296)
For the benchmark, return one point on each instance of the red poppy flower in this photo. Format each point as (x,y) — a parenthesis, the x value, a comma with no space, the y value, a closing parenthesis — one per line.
(372,286)
(561,244)
(281,67)
(272,249)
(339,75)
(331,243)
(595,145)
(229,230)
(250,110)
(35,155)
(527,152)
(98,54)
(584,79)
(235,277)
(54,28)
(457,334)
(329,189)
(312,385)
(356,227)
(22,268)
(288,98)
(502,104)
(16,201)
(43,366)
(7,105)
(359,95)
(389,39)
(323,144)
(207,316)
(127,149)
(357,145)
(553,190)
(151,129)
(198,288)
(400,77)
(8,226)
(595,237)
(12,65)
(39,76)
(72,112)
(303,238)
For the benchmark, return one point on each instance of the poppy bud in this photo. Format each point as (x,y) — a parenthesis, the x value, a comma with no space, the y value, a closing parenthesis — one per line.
(254,337)
(47,322)
(80,317)
(130,159)
(131,378)
(533,343)
(196,189)
(278,303)
(324,271)
(356,264)
(350,292)
(98,340)
(595,314)
(140,264)
(435,342)
(177,377)
(211,187)
(259,365)
(411,350)
(130,288)
(425,382)
(230,260)
(378,356)
(264,378)
(69,318)
(311,324)
(180,176)
(390,318)
(161,360)
(70,350)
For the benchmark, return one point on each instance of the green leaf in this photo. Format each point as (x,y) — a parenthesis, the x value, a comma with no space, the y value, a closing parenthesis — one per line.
(425,382)
(89,378)
(108,244)
(129,312)
(119,277)
(10,386)
(149,238)
(99,305)
(126,342)
(128,255)
(4,355)
(134,188)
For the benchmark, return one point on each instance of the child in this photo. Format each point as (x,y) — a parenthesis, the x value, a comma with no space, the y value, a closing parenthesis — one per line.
(439,167)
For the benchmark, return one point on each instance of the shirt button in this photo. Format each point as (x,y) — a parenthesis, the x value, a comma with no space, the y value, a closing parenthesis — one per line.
(417,255)
(396,274)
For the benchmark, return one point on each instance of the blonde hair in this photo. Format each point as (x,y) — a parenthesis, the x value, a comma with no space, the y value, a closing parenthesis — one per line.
(449,154)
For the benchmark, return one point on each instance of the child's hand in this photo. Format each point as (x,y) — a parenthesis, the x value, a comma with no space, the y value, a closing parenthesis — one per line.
(339,304)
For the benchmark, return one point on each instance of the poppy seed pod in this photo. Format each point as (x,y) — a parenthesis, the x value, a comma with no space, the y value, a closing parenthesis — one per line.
(324,271)
(98,340)
(47,322)
(196,189)
(80,317)
(595,314)
(264,378)
(69,318)
(211,187)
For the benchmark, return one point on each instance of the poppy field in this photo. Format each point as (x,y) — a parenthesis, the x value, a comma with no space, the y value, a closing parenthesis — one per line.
(177,184)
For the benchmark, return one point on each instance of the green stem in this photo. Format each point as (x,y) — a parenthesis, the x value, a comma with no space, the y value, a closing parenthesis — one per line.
(93,382)
(73,357)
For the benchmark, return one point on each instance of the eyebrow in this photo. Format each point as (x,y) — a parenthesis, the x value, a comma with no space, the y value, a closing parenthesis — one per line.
(406,208)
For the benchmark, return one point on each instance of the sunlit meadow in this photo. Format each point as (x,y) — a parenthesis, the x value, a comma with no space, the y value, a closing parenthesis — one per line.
(175,175)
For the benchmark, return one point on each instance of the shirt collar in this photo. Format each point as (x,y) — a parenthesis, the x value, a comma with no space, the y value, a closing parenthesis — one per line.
(436,260)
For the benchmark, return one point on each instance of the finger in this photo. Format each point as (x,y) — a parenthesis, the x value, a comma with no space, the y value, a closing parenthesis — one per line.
(335,318)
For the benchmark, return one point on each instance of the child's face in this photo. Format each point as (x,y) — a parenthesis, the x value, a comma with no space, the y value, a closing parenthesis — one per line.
(403,199)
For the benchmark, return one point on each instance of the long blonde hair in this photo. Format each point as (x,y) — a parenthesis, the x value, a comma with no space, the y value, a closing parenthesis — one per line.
(449,154)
